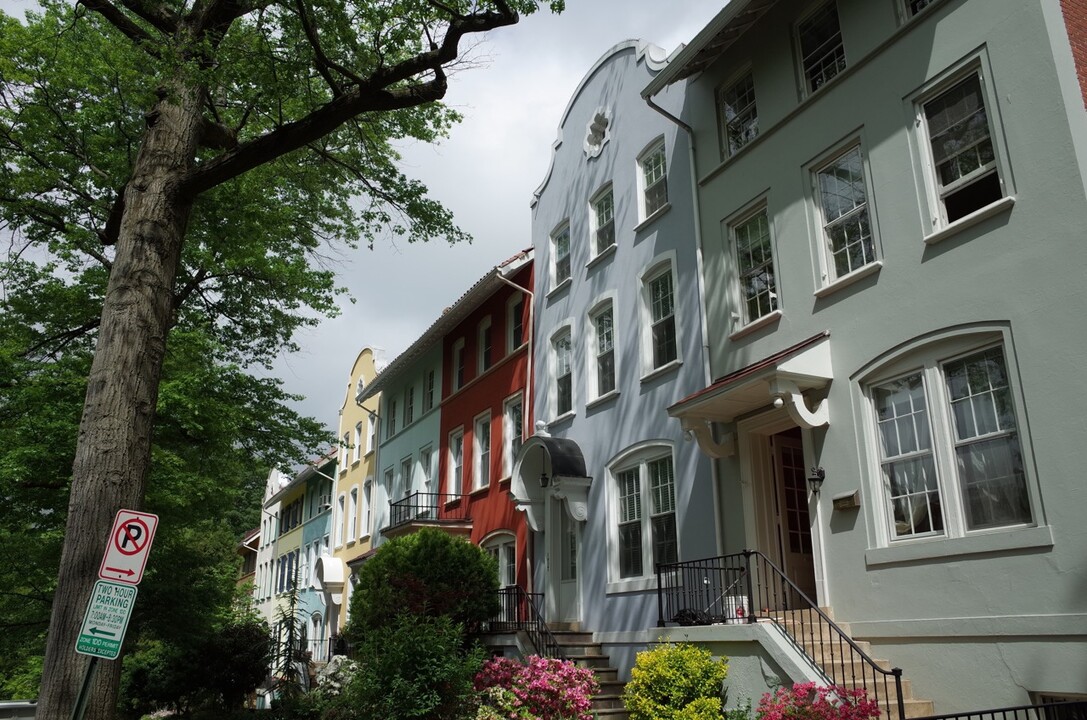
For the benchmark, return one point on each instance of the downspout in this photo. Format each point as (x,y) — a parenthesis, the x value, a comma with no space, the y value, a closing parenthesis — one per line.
(706,373)
(529,386)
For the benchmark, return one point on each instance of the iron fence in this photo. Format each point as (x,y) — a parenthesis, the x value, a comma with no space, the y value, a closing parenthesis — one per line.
(1070,710)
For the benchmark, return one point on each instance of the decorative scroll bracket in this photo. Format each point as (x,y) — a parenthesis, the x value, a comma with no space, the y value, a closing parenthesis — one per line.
(789,394)
(702,431)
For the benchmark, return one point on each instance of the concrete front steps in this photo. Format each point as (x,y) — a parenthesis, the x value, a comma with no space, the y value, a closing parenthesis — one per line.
(582,651)
(835,657)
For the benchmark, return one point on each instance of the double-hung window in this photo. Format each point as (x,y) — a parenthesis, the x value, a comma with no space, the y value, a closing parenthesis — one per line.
(662,318)
(822,54)
(484,346)
(560,255)
(564,379)
(390,428)
(753,250)
(356,448)
(456,461)
(428,390)
(603,220)
(367,506)
(458,364)
(654,179)
(406,480)
(514,431)
(409,405)
(645,517)
(515,322)
(344,445)
(739,116)
(848,243)
(353,515)
(481,456)
(371,432)
(951,460)
(604,346)
(966,173)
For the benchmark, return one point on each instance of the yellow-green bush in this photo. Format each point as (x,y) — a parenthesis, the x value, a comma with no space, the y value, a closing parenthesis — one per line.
(676,681)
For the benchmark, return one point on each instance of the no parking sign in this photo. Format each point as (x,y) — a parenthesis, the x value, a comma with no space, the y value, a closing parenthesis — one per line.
(128,546)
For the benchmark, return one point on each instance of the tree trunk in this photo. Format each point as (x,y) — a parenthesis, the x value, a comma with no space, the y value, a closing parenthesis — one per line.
(113,450)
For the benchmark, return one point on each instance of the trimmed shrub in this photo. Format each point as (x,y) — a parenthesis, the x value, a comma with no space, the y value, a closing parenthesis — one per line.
(676,682)
(428,573)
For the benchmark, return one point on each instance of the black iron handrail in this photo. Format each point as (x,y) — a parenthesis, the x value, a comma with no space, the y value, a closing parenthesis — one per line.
(521,613)
(703,592)
(1069,710)
(426,506)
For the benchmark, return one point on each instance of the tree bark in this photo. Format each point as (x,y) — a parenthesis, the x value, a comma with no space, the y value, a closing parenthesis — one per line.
(113,450)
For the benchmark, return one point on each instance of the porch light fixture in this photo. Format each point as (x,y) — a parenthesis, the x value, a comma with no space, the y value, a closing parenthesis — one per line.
(544,480)
(816,476)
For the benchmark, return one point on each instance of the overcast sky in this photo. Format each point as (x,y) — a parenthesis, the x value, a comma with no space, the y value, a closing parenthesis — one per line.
(512,100)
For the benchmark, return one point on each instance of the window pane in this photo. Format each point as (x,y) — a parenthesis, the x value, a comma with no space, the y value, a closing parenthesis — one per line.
(914,495)
(739,114)
(664,539)
(630,498)
(630,550)
(844,199)
(755,267)
(821,50)
(605,358)
(604,211)
(661,485)
(562,255)
(655,181)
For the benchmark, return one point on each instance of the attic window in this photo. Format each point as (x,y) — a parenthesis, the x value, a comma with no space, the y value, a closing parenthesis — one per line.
(597,133)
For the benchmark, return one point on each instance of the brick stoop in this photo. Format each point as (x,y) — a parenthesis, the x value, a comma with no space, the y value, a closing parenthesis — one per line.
(833,657)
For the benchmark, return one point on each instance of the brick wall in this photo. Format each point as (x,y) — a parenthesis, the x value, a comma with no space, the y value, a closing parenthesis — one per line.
(1075,20)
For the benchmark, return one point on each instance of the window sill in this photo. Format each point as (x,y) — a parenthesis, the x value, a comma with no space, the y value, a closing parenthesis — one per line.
(558,289)
(632,585)
(606,397)
(355,462)
(996,541)
(562,418)
(662,370)
(846,280)
(364,538)
(767,319)
(653,218)
(479,491)
(996,208)
(601,257)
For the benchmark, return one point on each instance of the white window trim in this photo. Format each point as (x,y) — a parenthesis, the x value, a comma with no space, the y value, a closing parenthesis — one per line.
(600,194)
(353,514)
(458,360)
(356,447)
(509,432)
(409,405)
(338,520)
(427,453)
(644,217)
(390,415)
(511,304)
(936,227)
(366,521)
(665,262)
(722,122)
(371,432)
(825,280)
(493,545)
(452,486)
(592,382)
(806,90)
(904,15)
(564,327)
(406,473)
(484,326)
(562,228)
(344,450)
(741,324)
(477,452)
(933,350)
(637,455)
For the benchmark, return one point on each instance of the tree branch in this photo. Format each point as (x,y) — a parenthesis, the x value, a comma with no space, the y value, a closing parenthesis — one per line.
(64,338)
(156,15)
(122,22)
(374,94)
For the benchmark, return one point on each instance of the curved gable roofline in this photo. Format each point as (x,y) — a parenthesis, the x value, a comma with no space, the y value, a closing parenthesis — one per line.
(656,59)
(374,352)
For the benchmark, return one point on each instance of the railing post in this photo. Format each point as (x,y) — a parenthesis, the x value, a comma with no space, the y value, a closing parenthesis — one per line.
(897,672)
(751,604)
(660,598)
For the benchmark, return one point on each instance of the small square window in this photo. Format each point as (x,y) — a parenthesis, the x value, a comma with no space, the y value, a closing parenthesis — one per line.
(822,54)
(739,116)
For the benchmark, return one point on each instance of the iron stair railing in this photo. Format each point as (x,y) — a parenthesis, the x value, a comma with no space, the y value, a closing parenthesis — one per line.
(747,587)
(521,613)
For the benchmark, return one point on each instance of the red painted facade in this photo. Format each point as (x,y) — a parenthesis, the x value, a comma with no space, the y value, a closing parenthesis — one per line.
(487,391)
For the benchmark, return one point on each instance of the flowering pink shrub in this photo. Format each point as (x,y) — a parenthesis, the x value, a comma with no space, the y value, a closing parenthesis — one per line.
(540,688)
(806,701)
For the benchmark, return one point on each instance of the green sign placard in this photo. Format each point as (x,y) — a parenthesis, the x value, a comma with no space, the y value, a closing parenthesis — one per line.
(106,621)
